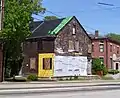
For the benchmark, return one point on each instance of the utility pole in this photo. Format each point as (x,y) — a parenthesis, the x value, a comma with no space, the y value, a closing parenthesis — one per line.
(1,13)
(1,27)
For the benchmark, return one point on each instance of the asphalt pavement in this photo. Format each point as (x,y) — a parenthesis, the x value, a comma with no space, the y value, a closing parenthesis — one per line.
(56,87)
(95,94)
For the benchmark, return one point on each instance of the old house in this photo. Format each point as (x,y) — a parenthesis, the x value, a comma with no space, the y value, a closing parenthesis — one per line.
(57,48)
(107,49)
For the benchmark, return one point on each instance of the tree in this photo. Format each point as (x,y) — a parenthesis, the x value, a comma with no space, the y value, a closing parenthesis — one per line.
(98,66)
(50,18)
(114,36)
(16,29)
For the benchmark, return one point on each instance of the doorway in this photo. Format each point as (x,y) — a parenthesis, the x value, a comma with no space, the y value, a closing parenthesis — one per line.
(117,67)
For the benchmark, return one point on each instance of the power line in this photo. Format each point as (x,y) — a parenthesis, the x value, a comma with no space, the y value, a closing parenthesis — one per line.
(61,16)
(82,11)
(101,3)
(53,13)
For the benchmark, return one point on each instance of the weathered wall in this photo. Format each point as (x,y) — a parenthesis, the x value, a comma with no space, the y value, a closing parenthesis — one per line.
(66,36)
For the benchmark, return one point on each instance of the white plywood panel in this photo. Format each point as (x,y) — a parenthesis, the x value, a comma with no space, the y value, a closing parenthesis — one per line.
(70,65)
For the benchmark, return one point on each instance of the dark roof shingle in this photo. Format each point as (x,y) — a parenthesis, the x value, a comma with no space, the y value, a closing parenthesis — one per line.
(41,28)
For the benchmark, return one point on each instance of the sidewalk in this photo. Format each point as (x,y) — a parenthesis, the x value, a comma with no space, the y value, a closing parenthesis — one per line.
(59,84)
(56,87)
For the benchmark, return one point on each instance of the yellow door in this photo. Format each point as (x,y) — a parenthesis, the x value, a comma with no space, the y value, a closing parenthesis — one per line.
(45,65)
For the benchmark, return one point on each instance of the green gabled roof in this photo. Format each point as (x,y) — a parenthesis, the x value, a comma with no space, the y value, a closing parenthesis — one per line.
(60,26)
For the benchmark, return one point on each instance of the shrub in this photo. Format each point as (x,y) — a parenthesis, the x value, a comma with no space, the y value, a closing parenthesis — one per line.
(98,66)
(113,71)
(70,78)
(105,71)
(32,77)
(75,77)
(61,79)
(107,78)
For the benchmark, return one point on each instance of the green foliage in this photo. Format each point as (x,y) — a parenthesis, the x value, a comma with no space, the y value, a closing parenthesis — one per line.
(98,66)
(113,71)
(61,79)
(75,77)
(107,78)
(114,36)
(32,77)
(17,17)
(105,71)
(50,18)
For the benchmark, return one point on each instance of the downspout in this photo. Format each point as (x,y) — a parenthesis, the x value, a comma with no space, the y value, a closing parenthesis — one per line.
(106,54)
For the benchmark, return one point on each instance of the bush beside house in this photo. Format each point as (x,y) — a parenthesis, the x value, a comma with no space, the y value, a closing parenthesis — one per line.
(98,68)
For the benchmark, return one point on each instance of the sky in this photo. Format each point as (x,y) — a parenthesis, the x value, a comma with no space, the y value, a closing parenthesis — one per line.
(90,14)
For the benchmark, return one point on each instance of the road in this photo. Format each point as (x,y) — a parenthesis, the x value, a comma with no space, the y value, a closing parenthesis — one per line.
(97,94)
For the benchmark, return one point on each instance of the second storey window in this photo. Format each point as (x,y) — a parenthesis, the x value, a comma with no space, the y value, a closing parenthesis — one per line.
(92,47)
(71,45)
(110,48)
(77,45)
(117,50)
(101,47)
(39,45)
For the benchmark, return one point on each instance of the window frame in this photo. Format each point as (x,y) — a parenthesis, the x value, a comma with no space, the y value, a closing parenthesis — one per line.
(50,65)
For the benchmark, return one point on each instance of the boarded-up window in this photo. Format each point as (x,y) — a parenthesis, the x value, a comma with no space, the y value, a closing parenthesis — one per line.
(47,63)
(71,45)
(32,63)
(39,45)
(77,45)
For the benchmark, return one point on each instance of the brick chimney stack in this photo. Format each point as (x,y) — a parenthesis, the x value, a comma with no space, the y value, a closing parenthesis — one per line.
(96,33)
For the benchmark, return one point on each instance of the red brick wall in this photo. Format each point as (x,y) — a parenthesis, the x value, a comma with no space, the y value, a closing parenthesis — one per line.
(114,51)
(107,54)
(96,53)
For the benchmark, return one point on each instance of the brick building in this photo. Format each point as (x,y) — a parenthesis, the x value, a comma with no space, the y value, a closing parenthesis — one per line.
(107,50)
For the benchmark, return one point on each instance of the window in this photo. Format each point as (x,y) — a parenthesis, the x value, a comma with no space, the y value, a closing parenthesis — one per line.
(102,60)
(101,42)
(39,45)
(110,48)
(92,48)
(77,45)
(74,29)
(111,63)
(117,50)
(101,46)
(117,66)
(47,63)
(32,63)
(71,45)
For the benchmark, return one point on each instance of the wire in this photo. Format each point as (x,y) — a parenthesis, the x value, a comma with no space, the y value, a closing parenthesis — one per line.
(53,13)
(61,16)
(101,3)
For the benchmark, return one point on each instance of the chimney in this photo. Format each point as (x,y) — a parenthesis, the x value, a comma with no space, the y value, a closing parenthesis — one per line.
(96,33)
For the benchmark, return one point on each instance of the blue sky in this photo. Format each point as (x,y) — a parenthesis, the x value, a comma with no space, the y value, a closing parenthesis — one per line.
(91,15)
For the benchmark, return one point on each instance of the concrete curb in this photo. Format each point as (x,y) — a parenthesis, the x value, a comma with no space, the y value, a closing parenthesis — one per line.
(57,82)
(57,90)
(62,86)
